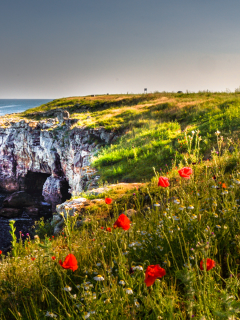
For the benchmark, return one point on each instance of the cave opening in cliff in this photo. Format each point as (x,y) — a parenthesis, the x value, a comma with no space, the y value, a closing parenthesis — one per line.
(34,182)
(64,190)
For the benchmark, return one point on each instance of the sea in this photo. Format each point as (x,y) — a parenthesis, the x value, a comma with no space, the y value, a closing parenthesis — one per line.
(23,223)
(8,106)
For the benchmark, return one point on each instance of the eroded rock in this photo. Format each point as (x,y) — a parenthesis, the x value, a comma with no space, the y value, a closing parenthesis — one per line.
(10,212)
(18,199)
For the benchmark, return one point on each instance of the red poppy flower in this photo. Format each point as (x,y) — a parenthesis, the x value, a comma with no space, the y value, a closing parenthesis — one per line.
(108,200)
(163,182)
(70,262)
(32,258)
(102,228)
(122,222)
(209,265)
(152,273)
(53,257)
(224,186)
(108,229)
(185,172)
(0,251)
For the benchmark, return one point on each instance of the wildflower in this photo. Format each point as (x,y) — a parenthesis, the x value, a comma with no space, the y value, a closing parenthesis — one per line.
(50,314)
(217,133)
(129,291)
(214,204)
(152,273)
(160,248)
(182,208)
(87,315)
(122,282)
(190,207)
(185,172)
(0,251)
(215,215)
(125,253)
(177,201)
(224,186)
(108,200)
(122,222)
(138,268)
(108,229)
(218,226)
(209,264)
(132,244)
(98,278)
(137,304)
(225,192)
(163,182)
(70,262)
(68,289)
(73,296)
(237,181)
(32,258)
(53,258)
(99,264)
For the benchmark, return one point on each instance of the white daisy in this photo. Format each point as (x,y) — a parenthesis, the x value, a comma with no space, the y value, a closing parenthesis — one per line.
(50,314)
(177,201)
(218,226)
(87,315)
(190,207)
(98,278)
(68,289)
(129,291)
(122,282)
(138,268)
(182,208)
(137,304)
(132,244)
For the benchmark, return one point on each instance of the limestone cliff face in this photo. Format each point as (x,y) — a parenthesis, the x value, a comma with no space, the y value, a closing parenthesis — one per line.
(49,156)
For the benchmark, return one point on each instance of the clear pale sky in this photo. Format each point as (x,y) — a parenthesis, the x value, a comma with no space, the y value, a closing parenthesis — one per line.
(59,48)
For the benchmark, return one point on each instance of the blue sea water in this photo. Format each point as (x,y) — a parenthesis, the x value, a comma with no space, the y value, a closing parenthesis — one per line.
(8,106)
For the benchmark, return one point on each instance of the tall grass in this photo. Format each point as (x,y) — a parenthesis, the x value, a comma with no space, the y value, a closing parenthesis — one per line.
(176,234)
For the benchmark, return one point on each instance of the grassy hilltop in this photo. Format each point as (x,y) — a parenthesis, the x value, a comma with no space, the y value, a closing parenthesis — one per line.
(154,127)
(178,227)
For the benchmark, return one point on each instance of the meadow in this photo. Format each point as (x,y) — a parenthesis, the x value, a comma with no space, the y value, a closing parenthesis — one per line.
(179,255)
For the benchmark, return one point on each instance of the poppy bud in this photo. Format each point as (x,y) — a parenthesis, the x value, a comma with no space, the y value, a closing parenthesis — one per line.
(124,246)
(168,263)
(199,217)
(42,298)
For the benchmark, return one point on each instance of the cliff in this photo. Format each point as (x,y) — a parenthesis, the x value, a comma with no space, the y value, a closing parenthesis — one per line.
(49,156)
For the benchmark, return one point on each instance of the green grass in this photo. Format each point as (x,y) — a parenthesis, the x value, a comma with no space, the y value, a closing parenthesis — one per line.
(175,239)
(157,135)
(141,120)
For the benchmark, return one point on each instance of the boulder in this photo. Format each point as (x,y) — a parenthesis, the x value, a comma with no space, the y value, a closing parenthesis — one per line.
(10,212)
(31,211)
(19,199)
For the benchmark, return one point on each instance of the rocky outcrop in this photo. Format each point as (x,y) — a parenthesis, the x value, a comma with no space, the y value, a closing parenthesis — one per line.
(50,149)
(18,199)
(79,206)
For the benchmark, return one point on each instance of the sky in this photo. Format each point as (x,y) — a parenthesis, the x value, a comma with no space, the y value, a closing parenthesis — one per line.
(60,48)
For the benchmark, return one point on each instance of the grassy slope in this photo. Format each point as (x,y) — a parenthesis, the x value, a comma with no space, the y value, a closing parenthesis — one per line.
(154,126)
(177,238)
